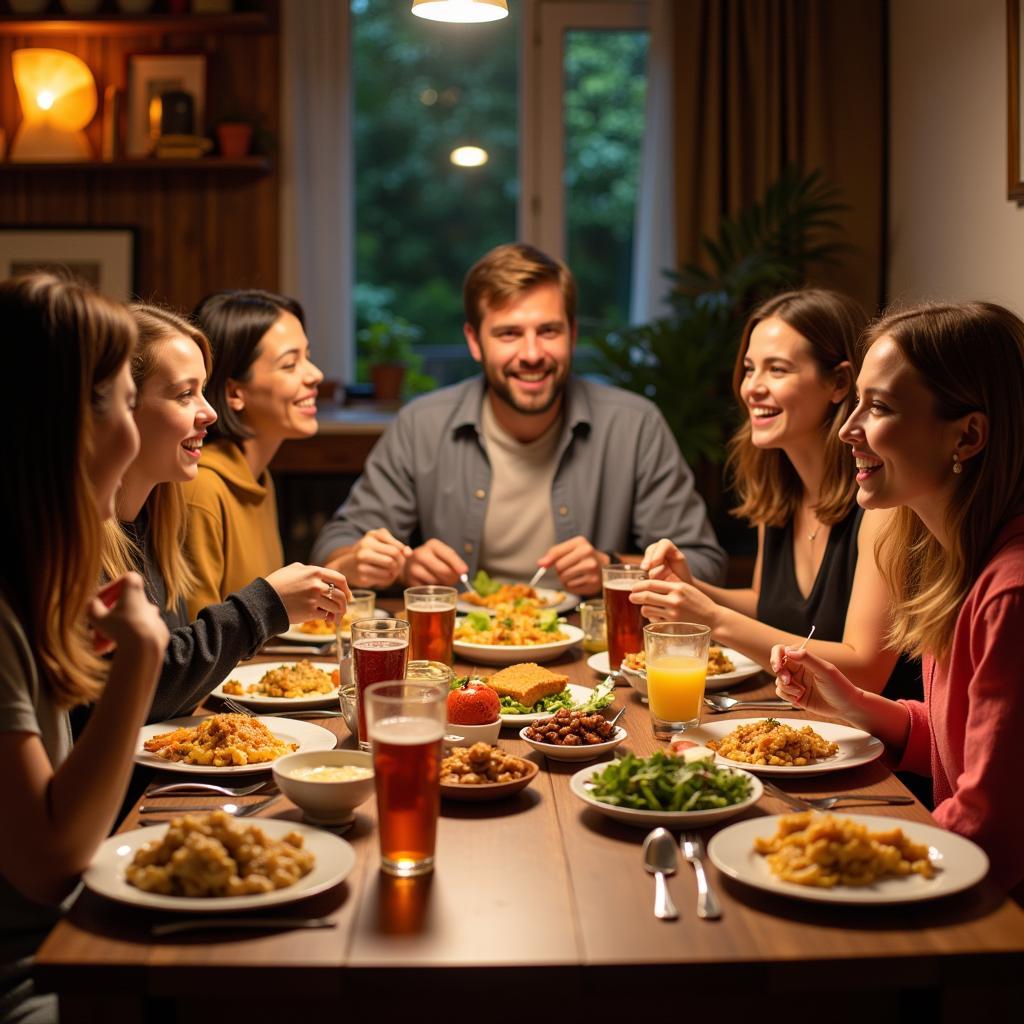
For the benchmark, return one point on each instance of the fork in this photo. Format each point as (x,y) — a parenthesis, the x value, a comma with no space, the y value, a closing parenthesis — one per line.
(693,850)
(826,803)
(238,709)
(233,809)
(204,787)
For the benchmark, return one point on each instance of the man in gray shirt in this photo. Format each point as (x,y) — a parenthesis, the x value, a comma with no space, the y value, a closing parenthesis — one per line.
(524,467)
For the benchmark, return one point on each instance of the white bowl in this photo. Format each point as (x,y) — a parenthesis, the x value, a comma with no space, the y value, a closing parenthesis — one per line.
(325,803)
(636,679)
(475,733)
(557,752)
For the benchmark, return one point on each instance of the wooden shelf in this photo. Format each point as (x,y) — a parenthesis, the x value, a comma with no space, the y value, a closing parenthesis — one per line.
(252,164)
(110,25)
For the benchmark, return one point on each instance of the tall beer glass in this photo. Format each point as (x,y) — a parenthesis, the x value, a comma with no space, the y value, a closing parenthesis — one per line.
(406,720)
(677,668)
(380,651)
(431,614)
(623,620)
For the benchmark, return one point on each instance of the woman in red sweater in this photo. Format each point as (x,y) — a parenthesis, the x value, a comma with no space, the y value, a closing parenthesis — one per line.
(938,432)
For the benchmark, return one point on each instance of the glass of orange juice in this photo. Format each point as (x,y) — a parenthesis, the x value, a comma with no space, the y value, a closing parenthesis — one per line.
(677,667)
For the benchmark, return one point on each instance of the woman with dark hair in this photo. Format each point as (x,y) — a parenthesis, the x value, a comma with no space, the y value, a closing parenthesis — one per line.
(793,380)
(169,368)
(60,801)
(263,388)
(938,435)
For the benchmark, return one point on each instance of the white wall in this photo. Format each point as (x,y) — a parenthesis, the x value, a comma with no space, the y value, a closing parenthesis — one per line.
(952,232)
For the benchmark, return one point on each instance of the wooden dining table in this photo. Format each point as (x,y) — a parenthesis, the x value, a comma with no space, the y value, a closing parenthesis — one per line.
(539,909)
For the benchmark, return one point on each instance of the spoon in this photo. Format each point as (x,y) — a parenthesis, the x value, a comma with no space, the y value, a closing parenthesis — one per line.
(660,860)
(723,702)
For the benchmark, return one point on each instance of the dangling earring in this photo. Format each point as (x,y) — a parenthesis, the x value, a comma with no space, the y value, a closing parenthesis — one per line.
(957,467)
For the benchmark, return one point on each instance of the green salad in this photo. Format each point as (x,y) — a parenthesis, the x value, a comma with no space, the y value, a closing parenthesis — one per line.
(482,622)
(663,782)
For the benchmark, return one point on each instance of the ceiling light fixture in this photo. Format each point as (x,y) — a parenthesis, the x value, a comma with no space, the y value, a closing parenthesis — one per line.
(468,156)
(462,11)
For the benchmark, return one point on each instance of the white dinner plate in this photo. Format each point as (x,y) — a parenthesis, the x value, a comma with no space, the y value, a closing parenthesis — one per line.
(855,747)
(511,654)
(247,675)
(308,736)
(599,663)
(667,819)
(559,600)
(584,752)
(580,695)
(335,858)
(960,863)
(294,633)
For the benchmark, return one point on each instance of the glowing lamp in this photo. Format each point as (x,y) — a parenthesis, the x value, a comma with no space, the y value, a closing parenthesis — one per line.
(460,10)
(468,156)
(58,99)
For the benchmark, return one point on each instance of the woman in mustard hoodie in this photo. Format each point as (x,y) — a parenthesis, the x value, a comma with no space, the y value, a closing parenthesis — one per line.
(263,387)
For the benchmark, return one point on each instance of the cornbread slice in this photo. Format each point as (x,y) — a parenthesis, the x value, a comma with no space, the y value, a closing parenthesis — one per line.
(527,683)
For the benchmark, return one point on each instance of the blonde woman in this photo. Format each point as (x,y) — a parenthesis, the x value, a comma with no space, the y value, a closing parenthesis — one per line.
(938,434)
(61,801)
(169,367)
(793,380)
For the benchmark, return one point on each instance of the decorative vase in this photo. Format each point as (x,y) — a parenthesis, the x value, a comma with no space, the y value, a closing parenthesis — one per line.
(387,381)
(234,139)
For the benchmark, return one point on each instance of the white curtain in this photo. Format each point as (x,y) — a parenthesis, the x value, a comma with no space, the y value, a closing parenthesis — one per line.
(654,241)
(317,177)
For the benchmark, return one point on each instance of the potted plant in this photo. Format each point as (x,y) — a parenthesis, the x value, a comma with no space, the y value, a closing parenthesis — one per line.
(387,344)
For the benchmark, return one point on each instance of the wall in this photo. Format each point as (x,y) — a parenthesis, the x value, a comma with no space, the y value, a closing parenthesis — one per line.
(952,232)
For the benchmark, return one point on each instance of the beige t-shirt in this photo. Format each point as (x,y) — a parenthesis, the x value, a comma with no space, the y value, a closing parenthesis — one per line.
(519,525)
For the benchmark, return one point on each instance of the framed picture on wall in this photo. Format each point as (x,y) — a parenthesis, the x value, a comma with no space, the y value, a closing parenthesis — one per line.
(1014,106)
(101,257)
(149,76)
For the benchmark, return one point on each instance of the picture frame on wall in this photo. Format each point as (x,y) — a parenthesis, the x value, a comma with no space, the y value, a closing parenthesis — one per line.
(101,257)
(150,75)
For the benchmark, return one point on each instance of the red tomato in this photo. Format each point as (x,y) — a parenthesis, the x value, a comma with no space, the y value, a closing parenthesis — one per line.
(473,703)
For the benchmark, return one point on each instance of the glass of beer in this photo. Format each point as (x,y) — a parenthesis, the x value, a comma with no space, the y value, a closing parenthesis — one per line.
(431,614)
(407,720)
(677,668)
(380,651)
(623,620)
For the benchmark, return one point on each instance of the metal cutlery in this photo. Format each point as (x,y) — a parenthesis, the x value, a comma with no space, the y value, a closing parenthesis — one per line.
(465,582)
(535,578)
(693,850)
(238,810)
(238,709)
(205,787)
(232,923)
(826,803)
(660,860)
(314,649)
(723,702)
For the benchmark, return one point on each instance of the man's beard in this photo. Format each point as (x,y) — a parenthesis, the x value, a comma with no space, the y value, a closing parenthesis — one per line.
(501,387)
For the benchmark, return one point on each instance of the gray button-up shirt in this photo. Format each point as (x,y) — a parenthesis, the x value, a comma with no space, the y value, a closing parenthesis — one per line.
(621,480)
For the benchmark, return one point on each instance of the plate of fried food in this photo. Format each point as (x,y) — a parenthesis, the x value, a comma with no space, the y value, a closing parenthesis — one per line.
(227,744)
(488,595)
(725,667)
(286,685)
(847,858)
(484,772)
(513,635)
(319,631)
(529,693)
(213,863)
(786,746)
(573,735)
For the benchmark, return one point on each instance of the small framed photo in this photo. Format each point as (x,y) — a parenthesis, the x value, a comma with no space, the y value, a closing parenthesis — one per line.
(101,257)
(150,75)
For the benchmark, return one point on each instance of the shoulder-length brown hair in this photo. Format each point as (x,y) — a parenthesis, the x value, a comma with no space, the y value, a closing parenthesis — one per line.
(63,346)
(168,518)
(971,358)
(768,486)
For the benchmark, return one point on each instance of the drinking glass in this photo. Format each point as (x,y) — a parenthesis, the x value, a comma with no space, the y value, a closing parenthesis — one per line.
(624,622)
(677,668)
(431,614)
(380,650)
(592,622)
(429,672)
(407,720)
(360,607)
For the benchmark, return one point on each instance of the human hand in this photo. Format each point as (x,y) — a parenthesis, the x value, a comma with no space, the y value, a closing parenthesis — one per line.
(306,592)
(664,561)
(434,562)
(379,559)
(123,617)
(674,601)
(811,682)
(578,564)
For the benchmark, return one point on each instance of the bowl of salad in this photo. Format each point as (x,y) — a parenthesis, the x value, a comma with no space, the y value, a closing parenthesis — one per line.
(666,790)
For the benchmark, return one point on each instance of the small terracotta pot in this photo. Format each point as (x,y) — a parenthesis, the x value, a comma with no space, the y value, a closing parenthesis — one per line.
(234,139)
(387,381)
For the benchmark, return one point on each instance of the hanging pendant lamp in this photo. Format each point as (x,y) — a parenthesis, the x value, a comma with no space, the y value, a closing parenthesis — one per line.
(460,10)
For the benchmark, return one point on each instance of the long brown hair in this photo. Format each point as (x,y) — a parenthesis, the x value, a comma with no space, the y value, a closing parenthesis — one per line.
(166,506)
(971,358)
(64,344)
(768,485)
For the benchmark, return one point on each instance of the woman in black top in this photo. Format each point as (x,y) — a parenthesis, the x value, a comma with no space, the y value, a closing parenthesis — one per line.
(815,562)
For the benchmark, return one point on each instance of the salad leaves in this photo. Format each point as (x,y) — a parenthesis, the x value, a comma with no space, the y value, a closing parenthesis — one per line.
(484,585)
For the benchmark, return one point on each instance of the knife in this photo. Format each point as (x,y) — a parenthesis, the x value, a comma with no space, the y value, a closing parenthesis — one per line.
(240,923)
